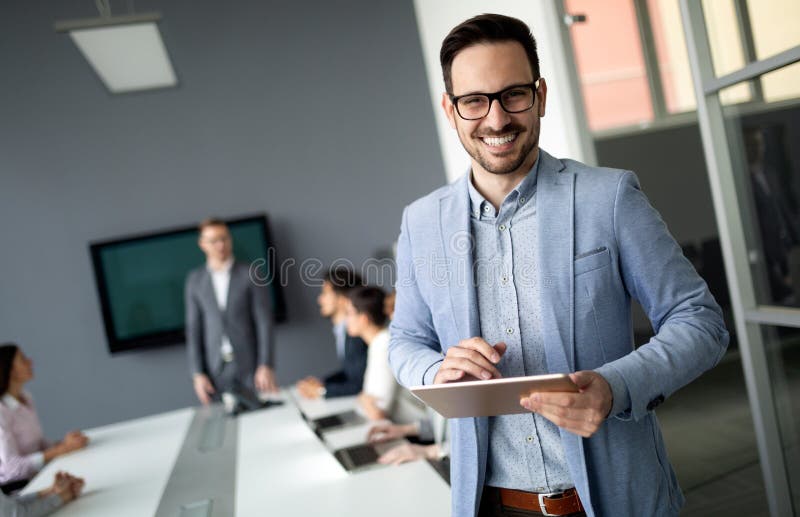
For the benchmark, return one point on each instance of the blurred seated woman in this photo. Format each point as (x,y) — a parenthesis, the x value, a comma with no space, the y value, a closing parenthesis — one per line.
(23,449)
(366,319)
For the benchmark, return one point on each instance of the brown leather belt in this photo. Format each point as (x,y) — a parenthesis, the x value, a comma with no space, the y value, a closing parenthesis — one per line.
(565,503)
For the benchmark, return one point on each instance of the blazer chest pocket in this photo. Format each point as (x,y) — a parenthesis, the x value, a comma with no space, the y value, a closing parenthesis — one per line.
(591,260)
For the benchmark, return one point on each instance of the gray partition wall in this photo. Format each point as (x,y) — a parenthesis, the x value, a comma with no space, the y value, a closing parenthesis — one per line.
(315,112)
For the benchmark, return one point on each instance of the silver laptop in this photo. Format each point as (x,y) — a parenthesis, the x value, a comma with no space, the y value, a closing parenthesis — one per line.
(345,419)
(363,456)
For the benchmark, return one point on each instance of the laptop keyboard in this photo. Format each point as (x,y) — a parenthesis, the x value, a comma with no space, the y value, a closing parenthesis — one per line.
(362,455)
(328,422)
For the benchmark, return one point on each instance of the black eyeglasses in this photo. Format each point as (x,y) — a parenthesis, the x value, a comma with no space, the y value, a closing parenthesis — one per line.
(514,99)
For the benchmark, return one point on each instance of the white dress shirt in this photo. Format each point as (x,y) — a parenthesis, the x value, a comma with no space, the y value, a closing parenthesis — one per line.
(221,280)
(379,381)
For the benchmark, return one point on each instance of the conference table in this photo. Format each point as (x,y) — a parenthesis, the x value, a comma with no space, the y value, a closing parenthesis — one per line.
(200,462)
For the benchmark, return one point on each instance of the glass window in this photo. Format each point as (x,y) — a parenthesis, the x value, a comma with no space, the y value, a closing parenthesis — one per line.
(673,61)
(608,55)
(775,26)
(727,52)
(782,346)
(782,84)
(724,37)
(767,162)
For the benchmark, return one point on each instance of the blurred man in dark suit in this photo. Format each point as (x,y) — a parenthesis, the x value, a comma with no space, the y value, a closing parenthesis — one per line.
(228,324)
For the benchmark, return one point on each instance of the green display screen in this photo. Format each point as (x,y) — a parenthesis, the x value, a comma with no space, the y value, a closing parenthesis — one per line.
(141,280)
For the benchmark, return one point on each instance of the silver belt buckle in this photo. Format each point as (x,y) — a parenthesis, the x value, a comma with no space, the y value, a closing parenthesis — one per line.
(542,507)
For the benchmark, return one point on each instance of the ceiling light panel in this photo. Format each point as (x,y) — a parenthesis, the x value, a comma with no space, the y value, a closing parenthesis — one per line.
(127,58)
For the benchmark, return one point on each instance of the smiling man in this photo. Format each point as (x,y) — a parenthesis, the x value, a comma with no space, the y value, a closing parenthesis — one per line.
(526,266)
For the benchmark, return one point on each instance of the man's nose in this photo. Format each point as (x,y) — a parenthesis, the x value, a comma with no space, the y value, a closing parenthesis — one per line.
(497,118)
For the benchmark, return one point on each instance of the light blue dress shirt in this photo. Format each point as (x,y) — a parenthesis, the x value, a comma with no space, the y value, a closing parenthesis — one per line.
(525,451)
(340,335)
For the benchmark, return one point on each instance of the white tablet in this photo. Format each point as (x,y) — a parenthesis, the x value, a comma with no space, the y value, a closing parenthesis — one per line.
(489,398)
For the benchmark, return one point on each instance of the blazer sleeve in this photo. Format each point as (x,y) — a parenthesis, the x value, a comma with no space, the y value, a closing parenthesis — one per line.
(349,380)
(690,335)
(29,505)
(415,353)
(194,328)
(262,317)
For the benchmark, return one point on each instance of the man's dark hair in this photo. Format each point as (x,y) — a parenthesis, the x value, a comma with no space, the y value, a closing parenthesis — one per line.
(210,221)
(342,279)
(486,28)
(369,301)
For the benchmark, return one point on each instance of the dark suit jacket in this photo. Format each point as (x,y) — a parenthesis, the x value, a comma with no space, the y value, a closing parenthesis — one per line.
(350,379)
(246,321)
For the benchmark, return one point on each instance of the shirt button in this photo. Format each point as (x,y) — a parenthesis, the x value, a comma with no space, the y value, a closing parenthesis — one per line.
(502,227)
(530,439)
(509,331)
(522,200)
(486,208)
(504,279)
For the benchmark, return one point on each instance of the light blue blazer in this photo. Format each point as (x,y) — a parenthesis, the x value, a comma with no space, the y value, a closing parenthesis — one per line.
(599,243)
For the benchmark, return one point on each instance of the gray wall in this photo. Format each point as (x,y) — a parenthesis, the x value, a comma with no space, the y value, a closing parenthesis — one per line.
(315,112)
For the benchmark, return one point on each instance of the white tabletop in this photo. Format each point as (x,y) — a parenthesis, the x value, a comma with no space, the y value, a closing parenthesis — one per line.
(282,469)
(347,436)
(126,466)
(318,408)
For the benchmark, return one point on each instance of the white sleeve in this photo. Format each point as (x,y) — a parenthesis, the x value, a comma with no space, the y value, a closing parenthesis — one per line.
(379,381)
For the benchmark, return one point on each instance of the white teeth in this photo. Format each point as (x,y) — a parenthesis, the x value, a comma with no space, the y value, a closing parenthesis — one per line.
(494,141)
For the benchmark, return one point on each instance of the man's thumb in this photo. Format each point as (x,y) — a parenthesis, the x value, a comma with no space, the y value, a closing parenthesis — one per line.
(582,378)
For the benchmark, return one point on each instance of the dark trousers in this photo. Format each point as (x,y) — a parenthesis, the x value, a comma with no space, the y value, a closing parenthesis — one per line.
(225,380)
(229,379)
(492,507)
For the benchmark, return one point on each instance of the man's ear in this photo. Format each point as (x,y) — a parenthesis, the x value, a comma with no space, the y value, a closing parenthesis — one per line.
(449,110)
(541,95)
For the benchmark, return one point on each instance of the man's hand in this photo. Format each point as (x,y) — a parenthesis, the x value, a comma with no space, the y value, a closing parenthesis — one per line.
(387,432)
(74,440)
(265,380)
(370,406)
(203,388)
(470,359)
(310,388)
(581,413)
(66,486)
(408,452)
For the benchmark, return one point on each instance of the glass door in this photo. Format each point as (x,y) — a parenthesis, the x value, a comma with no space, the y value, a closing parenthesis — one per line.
(745,62)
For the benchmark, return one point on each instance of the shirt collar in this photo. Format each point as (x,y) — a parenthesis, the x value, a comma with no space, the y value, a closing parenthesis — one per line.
(11,401)
(524,191)
(226,267)
(340,328)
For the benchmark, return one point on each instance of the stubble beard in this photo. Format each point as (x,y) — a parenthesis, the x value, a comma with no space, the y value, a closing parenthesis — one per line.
(512,166)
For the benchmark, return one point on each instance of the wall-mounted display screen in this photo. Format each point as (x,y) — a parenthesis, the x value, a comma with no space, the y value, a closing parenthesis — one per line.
(140,280)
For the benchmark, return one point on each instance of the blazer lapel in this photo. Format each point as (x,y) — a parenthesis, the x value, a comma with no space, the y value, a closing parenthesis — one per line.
(458,246)
(233,283)
(554,254)
(207,287)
